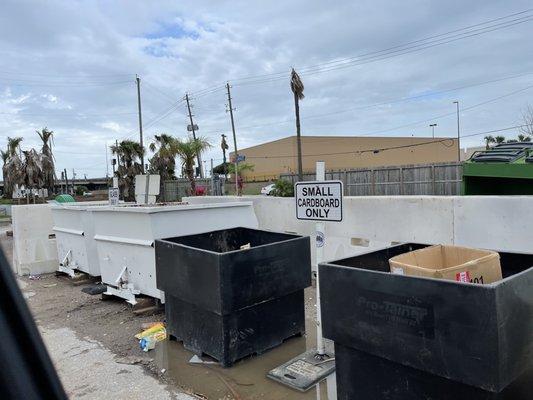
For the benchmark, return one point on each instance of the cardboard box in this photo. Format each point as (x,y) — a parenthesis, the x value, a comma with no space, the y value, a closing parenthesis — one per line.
(453,263)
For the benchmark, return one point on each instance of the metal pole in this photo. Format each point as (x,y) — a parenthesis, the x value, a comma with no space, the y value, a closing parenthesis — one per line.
(140,121)
(198,158)
(433,130)
(66,182)
(212,179)
(458,134)
(320,176)
(106,163)
(234,141)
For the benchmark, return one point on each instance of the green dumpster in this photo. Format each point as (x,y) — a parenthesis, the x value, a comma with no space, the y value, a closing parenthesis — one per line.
(505,169)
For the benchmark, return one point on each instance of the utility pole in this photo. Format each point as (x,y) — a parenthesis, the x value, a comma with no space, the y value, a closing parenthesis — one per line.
(458,134)
(432,126)
(140,121)
(107,163)
(198,157)
(234,141)
(66,181)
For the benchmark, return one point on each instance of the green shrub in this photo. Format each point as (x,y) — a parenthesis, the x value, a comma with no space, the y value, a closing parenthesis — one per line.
(80,190)
(283,188)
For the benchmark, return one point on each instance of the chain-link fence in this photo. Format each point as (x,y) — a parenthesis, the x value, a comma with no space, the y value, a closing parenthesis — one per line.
(174,190)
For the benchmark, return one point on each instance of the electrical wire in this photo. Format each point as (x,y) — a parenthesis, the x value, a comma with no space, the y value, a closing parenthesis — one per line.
(315,116)
(379,150)
(284,73)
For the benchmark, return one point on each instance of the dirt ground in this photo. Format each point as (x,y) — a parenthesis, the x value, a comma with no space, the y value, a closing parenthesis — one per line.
(59,306)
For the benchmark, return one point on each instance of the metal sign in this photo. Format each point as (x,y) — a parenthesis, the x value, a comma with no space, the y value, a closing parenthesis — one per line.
(319,201)
(190,127)
(241,158)
(114,194)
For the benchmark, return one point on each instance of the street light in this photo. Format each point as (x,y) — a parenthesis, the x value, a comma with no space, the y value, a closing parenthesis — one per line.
(458,133)
(432,126)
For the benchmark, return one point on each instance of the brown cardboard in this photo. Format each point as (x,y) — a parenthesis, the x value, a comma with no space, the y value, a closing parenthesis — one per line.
(453,263)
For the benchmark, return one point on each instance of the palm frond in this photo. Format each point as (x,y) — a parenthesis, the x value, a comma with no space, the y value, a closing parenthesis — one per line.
(297,85)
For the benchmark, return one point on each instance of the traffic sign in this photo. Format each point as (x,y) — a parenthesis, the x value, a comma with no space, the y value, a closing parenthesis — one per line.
(319,201)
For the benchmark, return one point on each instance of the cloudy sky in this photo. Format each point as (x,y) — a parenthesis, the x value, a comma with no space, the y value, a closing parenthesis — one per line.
(369,68)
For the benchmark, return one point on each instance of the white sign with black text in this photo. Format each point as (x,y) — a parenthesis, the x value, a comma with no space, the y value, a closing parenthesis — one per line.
(319,201)
(114,194)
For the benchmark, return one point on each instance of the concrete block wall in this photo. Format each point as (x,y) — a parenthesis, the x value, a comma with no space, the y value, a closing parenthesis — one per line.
(34,246)
(493,222)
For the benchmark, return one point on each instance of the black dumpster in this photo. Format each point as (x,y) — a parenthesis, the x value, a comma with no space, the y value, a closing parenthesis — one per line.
(230,302)
(402,337)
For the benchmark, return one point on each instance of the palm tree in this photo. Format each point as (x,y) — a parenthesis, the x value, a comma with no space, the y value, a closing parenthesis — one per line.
(524,138)
(163,161)
(499,139)
(488,140)
(297,88)
(33,169)
(187,151)
(47,158)
(224,146)
(130,153)
(5,172)
(14,169)
(241,168)
(13,145)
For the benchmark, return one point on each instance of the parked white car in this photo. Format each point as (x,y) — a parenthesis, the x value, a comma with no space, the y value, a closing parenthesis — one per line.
(267,190)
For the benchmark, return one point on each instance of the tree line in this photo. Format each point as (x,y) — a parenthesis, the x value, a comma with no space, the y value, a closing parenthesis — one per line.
(30,169)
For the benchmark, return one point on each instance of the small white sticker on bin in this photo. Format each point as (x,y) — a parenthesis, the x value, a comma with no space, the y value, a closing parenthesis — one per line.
(397,271)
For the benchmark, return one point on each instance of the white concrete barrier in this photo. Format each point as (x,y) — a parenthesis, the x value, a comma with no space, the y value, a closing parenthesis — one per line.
(34,246)
(493,222)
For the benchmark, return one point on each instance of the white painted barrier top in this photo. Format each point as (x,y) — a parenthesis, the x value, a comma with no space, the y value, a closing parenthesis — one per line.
(150,209)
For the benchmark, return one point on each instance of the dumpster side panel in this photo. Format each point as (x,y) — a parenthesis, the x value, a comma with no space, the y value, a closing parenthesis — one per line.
(363,376)
(514,300)
(189,274)
(411,321)
(199,330)
(264,273)
(228,338)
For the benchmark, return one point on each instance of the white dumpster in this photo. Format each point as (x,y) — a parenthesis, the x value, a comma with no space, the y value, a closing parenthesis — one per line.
(125,239)
(74,231)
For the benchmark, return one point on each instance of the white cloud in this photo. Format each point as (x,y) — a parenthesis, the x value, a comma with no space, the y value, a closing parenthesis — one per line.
(75,74)
(112,126)
(50,97)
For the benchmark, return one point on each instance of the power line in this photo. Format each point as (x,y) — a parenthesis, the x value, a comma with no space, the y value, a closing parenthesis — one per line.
(65,84)
(402,49)
(394,51)
(74,115)
(315,116)
(378,150)
(161,93)
(284,73)
(79,76)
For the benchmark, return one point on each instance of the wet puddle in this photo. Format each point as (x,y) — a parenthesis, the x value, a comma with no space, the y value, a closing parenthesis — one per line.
(245,380)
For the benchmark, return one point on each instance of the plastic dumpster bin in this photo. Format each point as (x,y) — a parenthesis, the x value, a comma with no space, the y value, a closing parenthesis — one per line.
(403,337)
(229,302)
(125,237)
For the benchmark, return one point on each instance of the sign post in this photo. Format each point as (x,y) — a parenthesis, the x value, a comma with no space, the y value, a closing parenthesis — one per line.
(319,201)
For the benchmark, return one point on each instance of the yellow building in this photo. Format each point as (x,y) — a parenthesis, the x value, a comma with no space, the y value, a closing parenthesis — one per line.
(345,152)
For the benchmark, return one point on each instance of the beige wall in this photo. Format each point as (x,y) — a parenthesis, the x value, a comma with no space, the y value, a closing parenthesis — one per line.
(272,158)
